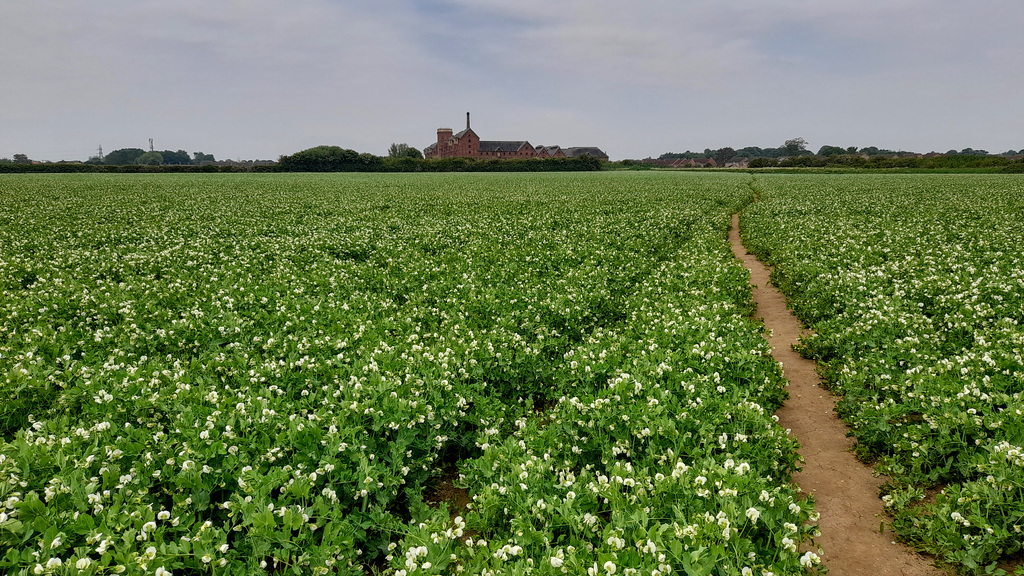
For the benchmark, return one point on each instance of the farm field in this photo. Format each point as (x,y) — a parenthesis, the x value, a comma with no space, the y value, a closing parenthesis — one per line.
(239,374)
(914,286)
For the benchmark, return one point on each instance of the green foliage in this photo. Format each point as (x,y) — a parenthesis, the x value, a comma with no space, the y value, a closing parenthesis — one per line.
(150,159)
(227,371)
(178,158)
(795,146)
(722,155)
(763,163)
(627,164)
(403,151)
(123,157)
(831,151)
(334,159)
(913,286)
(329,159)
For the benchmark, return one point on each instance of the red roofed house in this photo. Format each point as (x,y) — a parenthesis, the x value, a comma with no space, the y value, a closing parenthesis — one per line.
(466,144)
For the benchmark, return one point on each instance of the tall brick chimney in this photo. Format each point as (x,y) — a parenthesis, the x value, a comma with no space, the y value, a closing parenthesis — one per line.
(467,120)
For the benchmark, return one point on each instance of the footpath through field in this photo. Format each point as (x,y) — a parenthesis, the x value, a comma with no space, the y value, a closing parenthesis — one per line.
(845,491)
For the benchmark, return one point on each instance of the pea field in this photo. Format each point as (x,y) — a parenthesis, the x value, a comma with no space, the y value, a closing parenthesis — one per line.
(914,286)
(493,373)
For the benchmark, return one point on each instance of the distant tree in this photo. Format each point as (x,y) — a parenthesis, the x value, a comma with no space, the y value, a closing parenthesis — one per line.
(321,159)
(150,159)
(675,155)
(750,152)
(851,150)
(763,162)
(831,151)
(403,151)
(5,161)
(794,146)
(179,157)
(722,155)
(21,159)
(123,157)
(199,158)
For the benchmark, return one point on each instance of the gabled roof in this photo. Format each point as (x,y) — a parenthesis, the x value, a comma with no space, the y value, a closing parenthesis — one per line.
(581,150)
(502,145)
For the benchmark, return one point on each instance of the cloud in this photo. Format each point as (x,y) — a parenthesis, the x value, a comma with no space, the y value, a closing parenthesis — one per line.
(256,78)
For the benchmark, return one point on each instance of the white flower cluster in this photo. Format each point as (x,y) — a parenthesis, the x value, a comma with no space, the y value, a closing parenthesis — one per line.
(914,287)
(232,362)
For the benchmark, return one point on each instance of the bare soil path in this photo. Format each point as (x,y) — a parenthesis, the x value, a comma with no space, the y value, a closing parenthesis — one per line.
(844,489)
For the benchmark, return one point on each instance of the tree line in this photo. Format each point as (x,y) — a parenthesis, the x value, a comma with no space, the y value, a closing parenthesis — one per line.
(798,147)
(950,162)
(403,158)
(138,156)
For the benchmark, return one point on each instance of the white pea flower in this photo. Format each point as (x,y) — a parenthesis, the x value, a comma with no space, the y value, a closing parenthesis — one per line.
(789,544)
(753,514)
(809,559)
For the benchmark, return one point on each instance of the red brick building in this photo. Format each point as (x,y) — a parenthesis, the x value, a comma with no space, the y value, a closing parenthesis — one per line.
(467,144)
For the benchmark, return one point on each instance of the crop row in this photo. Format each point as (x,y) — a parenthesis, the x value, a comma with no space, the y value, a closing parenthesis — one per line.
(249,374)
(914,287)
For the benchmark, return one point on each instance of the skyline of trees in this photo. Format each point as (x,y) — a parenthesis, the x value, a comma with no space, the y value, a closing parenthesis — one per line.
(796,147)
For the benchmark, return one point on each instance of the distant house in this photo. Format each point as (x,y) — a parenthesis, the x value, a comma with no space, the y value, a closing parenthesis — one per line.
(506,149)
(694,163)
(549,152)
(466,144)
(737,162)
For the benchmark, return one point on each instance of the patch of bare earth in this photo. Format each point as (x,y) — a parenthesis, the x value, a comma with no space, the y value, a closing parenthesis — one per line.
(444,491)
(845,490)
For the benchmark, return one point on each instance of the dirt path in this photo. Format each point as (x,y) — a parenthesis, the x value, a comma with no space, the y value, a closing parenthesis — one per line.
(845,491)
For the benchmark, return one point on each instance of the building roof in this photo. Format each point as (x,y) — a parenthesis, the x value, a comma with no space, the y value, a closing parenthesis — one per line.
(502,145)
(581,150)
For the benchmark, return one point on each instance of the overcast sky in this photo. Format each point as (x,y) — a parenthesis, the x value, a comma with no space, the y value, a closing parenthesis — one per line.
(255,79)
